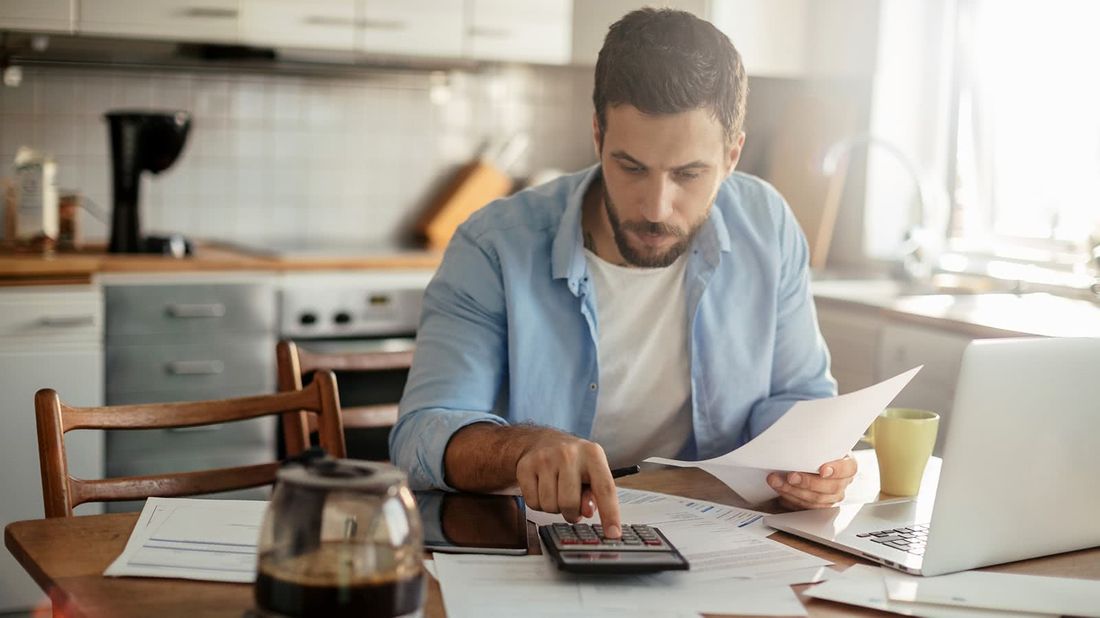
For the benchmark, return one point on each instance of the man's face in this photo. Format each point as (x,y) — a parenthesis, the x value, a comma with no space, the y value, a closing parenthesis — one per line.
(660,174)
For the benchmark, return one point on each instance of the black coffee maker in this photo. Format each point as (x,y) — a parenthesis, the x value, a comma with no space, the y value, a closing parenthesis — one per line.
(141,141)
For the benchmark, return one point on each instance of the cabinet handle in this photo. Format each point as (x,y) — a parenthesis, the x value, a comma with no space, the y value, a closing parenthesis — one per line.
(208,12)
(67,321)
(490,33)
(210,310)
(383,24)
(195,368)
(194,429)
(327,20)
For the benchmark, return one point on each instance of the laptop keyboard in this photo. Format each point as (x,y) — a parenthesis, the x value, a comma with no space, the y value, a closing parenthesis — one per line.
(910,540)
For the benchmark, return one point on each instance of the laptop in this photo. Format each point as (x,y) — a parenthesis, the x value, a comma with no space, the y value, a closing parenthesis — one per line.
(1020,467)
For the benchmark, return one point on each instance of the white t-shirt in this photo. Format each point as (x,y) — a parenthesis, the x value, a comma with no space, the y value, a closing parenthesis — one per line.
(643,408)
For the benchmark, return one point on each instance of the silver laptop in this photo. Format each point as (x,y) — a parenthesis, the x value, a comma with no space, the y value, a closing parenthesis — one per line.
(1020,471)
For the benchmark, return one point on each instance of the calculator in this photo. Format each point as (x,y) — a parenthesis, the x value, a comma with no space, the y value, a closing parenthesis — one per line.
(582,548)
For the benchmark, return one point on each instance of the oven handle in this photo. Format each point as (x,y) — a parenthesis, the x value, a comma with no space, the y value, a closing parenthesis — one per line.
(195,368)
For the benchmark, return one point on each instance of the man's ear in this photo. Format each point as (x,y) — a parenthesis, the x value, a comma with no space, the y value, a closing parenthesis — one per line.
(597,136)
(735,152)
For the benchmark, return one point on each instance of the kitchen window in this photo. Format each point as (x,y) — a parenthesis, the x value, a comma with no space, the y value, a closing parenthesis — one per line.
(1026,190)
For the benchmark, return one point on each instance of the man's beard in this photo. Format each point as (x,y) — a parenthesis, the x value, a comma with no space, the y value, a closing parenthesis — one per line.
(643,257)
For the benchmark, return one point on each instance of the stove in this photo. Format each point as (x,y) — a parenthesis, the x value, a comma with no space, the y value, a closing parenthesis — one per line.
(351,304)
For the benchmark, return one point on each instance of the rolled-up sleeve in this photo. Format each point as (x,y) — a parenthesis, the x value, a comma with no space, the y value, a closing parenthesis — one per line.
(460,364)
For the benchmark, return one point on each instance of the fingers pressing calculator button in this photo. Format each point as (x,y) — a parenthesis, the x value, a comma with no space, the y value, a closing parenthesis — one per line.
(583,548)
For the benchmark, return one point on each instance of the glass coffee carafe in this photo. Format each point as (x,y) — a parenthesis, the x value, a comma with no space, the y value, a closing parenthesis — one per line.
(341,537)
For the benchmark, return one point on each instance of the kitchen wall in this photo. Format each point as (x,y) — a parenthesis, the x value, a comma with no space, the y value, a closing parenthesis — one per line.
(299,158)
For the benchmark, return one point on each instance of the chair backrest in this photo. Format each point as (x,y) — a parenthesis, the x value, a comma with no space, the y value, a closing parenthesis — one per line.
(294,362)
(61,492)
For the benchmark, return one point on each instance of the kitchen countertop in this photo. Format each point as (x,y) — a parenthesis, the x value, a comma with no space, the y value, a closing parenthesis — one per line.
(20,268)
(974,315)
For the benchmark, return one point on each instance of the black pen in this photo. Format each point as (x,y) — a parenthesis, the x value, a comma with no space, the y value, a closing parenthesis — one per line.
(627,471)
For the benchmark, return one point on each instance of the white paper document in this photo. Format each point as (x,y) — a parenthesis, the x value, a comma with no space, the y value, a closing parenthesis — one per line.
(811,433)
(531,586)
(865,586)
(637,506)
(1000,591)
(213,540)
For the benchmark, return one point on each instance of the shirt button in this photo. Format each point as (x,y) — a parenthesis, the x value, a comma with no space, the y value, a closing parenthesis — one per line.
(592,386)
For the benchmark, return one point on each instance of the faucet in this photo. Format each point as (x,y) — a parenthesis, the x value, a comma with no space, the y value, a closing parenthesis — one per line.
(918,244)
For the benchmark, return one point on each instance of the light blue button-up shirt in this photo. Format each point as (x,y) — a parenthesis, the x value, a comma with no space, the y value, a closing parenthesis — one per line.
(508,329)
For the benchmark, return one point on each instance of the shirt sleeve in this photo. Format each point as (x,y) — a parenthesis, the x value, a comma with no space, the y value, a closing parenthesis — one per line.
(460,362)
(800,362)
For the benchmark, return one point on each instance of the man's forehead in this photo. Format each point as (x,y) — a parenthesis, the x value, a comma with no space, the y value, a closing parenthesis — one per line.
(671,140)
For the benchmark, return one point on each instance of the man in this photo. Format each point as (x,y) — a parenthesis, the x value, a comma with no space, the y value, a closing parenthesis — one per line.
(656,304)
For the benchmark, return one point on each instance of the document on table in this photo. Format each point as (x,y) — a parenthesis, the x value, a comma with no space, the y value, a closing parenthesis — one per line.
(811,433)
(213,540)
(865,586)
(637,506)
(999,591)
(499,586)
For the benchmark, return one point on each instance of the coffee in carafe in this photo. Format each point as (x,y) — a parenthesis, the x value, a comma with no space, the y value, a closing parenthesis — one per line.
(340,538)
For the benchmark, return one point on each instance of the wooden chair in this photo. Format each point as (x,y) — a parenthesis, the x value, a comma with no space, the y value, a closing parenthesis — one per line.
(61,492)
(294,362)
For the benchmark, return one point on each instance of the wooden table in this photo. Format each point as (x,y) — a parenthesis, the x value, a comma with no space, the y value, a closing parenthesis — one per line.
(66,556)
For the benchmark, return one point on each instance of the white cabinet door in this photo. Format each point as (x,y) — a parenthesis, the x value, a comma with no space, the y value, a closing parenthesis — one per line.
(181,20)
(520,30)
(904,346)
(419,28)
(591,19)
(852,336)
(45,342)
(771,35)
(318,24)
(44,15)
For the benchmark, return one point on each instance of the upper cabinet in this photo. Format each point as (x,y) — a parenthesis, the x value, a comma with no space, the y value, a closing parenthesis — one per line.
(179,20)
(43,15)
(776,38)
(422,28)
(318,24)
(519,30)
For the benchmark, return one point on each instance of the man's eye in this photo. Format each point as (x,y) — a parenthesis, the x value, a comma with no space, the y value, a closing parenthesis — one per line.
(632,169)
(688,175)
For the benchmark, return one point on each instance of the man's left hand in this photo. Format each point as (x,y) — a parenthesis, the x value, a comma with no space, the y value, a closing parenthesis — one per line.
(802,490)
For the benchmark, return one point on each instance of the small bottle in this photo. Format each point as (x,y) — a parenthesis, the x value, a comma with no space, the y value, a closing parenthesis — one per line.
(37,203)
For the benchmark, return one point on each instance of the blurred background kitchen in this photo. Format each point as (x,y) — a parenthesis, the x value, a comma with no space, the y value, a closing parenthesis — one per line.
(942,156)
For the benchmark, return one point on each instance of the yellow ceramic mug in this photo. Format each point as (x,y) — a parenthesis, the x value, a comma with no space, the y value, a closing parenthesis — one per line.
(903,439)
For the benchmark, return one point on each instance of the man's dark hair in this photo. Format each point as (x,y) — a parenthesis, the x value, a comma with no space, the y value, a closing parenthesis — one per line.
(663,61)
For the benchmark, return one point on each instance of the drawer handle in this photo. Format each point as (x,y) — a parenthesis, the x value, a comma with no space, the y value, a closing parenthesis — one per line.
(211,310)
(197,428)
(210,12)
(383,24)
(491,33)
(67,321)
(195,368)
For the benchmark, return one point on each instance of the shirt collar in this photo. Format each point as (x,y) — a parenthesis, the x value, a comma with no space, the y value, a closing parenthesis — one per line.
(567,255)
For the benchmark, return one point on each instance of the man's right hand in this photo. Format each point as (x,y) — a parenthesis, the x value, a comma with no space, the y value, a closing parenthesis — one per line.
(560,473)
(556,471)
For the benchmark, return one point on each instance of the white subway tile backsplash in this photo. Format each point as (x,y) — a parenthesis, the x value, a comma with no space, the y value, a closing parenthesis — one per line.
(289,158)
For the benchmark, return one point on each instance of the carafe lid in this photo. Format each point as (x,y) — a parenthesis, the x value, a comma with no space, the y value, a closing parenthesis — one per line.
(319,471)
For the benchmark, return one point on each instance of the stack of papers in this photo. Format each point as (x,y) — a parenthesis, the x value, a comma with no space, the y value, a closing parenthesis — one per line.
(735,569)
(970,594)
(810,433)
(211,540)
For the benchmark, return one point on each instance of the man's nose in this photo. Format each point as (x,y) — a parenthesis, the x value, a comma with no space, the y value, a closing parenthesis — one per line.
(659,199)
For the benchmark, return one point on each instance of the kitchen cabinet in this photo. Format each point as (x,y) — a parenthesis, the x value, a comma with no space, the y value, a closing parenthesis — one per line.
(853,340)
(519,30)
(50,337)
(39,15)
(424,28)
(209,337)
(178,20)
(776,38)
(319,24)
